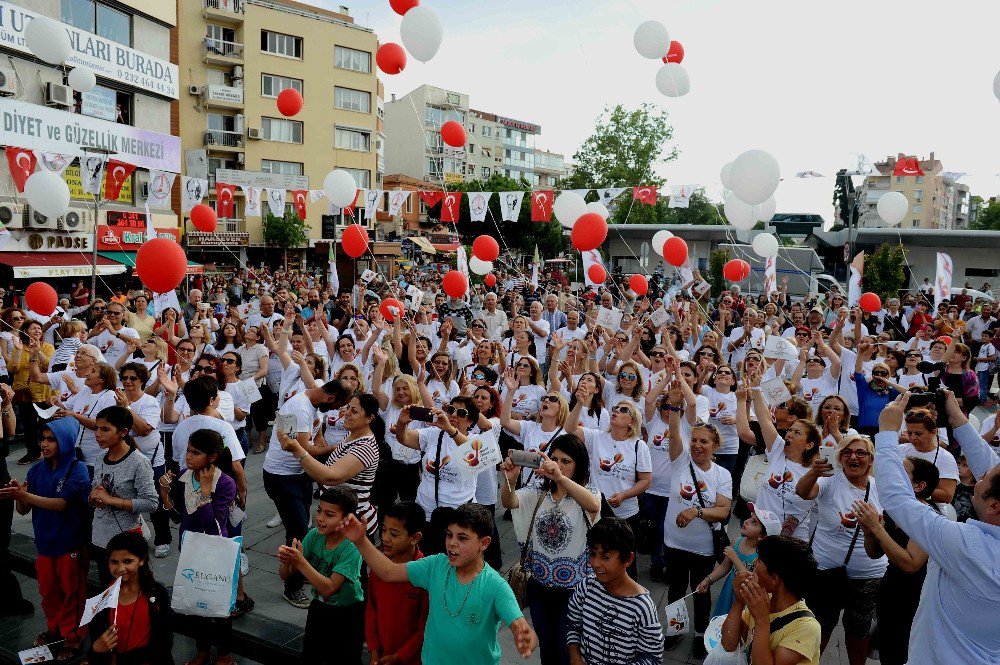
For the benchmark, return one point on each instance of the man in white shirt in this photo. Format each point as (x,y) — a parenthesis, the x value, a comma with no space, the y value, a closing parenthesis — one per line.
(495,319)
(539,329)
(572,331)
(108,333)
(975,326)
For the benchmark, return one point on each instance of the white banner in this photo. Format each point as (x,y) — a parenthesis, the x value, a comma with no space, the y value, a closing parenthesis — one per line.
(162,301)
(372,199)
(608,195)
(397,199)
(942,279)
(150,231)
(251,197)
(854,280)
(54,161)
(770,275)
(510,205)
(92,173)
(276,202)
(592,257)
(160,185)
(102,601)
(680,195)
(316,194)
(463,261)
(192,192)
(479,205)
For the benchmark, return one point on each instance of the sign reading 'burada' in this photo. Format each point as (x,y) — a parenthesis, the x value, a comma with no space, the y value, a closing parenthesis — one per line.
(106,57)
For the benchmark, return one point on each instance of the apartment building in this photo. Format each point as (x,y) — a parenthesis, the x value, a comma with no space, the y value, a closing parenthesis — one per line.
(936,200)
(413,127)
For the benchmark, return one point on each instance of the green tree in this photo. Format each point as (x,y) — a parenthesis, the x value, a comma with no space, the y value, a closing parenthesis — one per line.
(884,272)
(288,232)
(988,219)
(843,192)
(717,260)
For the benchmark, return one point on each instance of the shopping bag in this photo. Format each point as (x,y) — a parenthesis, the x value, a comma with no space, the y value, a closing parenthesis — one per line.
(207,574)
(753,476)
(719,656)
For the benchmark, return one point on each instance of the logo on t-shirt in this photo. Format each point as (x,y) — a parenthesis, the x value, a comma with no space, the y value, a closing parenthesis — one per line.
(432,469)
(776,480)
(661,440)
(609,464)
(848,520)
(688,491)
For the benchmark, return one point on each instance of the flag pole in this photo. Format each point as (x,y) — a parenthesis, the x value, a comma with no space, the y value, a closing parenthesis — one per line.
(97,211)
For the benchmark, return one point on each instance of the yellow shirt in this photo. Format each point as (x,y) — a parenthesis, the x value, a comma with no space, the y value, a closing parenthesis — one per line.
(801,635)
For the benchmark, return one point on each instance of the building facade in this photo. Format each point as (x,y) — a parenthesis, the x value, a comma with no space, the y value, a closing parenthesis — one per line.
(519,148)
(413,128)
(485,146)
(550,168)
(936,202)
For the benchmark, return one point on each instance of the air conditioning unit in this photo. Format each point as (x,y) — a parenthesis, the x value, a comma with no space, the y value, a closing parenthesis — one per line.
(36,220)
(58,95)
(8,81)
(253,133)
(241,158)
(10,216)
(194,90)
(76,220)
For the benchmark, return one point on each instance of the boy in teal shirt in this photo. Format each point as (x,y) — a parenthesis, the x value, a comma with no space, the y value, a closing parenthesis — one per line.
(468,599)
(332,565)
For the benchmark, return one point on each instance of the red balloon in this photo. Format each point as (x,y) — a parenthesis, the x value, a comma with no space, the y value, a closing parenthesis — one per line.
(387,313)
(390,58)
(355,240)
(41,298)
(403,6)
(870,302)
(485,248)
(204,218)
(160,264)
(597,273)
(589,232)
(675,251)
(638,284)
(491,280)
(675,54)
(455,284)
(289,102)
(453,134)
(736,270)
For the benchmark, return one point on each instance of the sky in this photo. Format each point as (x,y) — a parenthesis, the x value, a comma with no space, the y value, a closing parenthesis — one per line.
(813,83)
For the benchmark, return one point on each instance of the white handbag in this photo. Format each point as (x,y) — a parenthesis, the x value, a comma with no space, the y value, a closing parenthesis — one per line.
(207,574)
(753,476)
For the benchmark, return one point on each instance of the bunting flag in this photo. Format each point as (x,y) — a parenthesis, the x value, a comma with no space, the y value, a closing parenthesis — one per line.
(54,161)
(299,201)
(479,205)
(590,258)
(251,199)
(161,183)
(192,192)
(276,202)
(541,205)
(582,192)
(608,195)
(854,282)
(430,198)
(680,195)
(316,194)
(644,194)
(92,174)
(22,164)
(332,209)
(372,199)
(451,206)
(808,174)
(224,195)
(114,177)
(397,199)
(771,275)
(462,260)
(150,231)
(942,278)
(907,166)
(865,166)
(510,205)
(334,277)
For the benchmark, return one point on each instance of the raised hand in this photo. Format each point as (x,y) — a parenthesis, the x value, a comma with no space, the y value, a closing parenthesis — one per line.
(509,380)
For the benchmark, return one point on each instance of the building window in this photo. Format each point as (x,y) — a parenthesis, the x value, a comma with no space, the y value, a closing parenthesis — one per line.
(221,123)
(98,18)
(920,179)
(362,177)
(271,84)
(349,58)
(472,148)
(353,139)
(486,131)
(276,43)
(486,173)
(352,100)
(281,168)
(279,129)
(435,117)
(918,195)
(917,209)
(472,128)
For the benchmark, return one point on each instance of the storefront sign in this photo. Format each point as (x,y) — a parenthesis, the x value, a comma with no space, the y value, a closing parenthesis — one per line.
(41,241)
(106,57)
(124,238)
(260,179)
(72,177)
(518,124)
(100,103)
(45,272)
(453,178)
(218,239)
(51,130)
(224,93)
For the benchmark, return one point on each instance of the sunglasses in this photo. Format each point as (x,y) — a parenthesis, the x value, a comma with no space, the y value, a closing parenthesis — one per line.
(129,378)
(228,361)
(657,354)
(914,355)
(880,373)
(551,398)
(458,411)
(114,313)
(860,454)
(204,368)
(98,309)
(723,372)
(478,325)
(185,350)
(628,376)
(523,366)
(801,334)
(621,409)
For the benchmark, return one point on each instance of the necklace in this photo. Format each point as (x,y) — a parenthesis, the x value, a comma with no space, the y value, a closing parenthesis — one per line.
(467,592)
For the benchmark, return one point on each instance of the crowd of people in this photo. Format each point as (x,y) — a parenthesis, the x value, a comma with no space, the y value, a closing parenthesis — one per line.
(862,497)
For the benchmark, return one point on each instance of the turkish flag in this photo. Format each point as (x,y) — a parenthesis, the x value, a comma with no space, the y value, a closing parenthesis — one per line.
(541,206)
(349,210)
(451,206)
(224,199)
(430,199)
(115,175)
(299,201)
(645,194)
(22,164)
(907,166)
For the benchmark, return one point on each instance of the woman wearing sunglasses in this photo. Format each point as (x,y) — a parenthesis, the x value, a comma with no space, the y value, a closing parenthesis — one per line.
(533,436)
(874,394)
(627,387)
(718,387)
(819,380)
(527,390)
(230,367)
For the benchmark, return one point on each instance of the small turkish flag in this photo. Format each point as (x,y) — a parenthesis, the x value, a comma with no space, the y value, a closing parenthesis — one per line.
(430,199)
(541,206)
(299,201)
(645,194)
(115,175)
(349,210)
(22,164)
(224,199)
(907,166)
(451,205)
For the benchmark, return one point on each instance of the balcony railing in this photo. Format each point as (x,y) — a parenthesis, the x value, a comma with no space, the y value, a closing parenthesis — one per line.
(223,138)
(224,49)
(235,6)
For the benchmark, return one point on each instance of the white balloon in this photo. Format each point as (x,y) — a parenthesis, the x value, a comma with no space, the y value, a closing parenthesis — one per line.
(724,176)
(996,85)
(567,207)
(599,208)
(672,80)
(754,176)
(651,40)
(48,40)
(47,193)
(659,238)
(340,188)
(892,208)
(765,211)
(765,245)
(82,79)
(738,213)
(421,32)
(480,267)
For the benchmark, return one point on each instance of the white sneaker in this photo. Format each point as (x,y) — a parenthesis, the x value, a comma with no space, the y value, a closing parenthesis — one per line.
(161,551)
(274,522)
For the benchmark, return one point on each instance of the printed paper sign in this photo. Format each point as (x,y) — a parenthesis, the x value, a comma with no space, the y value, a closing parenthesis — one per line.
(285,422)
(780,349)
(425,330)
(249,309)
(104,600)
(677,618)
(478,454)
(367,276)
(609,319)
(701,287)
(40,654)
(658,317)
(412,291)
(45,414)
(248,391)
(775,392)
(163,301)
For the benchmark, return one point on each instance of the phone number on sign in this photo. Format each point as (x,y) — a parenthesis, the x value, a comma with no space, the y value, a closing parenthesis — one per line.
(167,89)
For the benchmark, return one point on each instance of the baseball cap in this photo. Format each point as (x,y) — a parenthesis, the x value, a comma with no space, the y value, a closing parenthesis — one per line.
(770,521)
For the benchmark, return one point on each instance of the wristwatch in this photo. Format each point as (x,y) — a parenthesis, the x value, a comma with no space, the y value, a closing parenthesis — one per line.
(700,511)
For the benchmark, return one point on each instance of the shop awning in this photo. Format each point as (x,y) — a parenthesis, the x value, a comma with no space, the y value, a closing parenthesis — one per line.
(424,244)
(42,265)
(127,259)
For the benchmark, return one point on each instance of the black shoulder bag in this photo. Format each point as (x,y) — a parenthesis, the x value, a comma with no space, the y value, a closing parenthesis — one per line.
(830,586)
(720,539)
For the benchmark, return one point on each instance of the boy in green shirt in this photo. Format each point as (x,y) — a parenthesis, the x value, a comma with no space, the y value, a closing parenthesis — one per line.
(468,599)
(332,565)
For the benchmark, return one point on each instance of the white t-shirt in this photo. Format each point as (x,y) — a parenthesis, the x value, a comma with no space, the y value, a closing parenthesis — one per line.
(835,507)
(400,453)
(534,439)
(453,487)
(307,419)
(112,347)
(527,399)
(941,458)
(540,340)
(615,465)
(696,537)
(442,394)
(486,481)
(199,421)
(88,404)
(147,408)
(846,387)
(815,391)
(721,405)
(58,384)
(238,401)
(909,380)
(658,440)
(334,432)
(777,492)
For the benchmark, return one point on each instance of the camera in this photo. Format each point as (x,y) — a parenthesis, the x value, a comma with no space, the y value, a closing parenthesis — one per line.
(921,397)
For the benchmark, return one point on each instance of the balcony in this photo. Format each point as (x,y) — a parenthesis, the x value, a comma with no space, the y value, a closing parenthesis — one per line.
(218,139)
(219,52)
(225,11)
(222,96)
